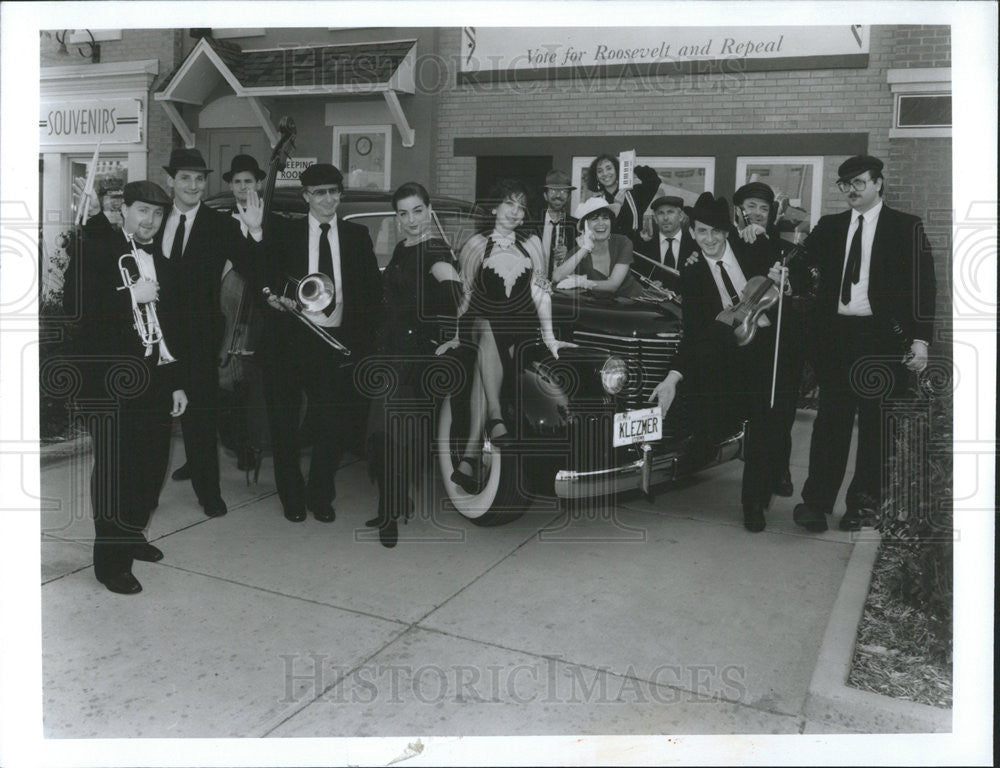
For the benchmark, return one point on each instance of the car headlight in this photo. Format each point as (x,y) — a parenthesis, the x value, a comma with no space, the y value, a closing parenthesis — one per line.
(614,374)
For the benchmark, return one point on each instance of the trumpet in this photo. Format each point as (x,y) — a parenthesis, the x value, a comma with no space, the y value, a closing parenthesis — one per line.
(147,323)
(314,293)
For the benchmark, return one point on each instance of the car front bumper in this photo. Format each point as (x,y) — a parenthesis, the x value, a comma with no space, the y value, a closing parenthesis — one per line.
(650,470)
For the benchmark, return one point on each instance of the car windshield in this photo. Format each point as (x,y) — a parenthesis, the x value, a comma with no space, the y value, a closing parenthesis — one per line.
(385,232)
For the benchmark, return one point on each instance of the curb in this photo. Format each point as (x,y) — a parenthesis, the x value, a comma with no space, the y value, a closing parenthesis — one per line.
(56,452)
(830,700)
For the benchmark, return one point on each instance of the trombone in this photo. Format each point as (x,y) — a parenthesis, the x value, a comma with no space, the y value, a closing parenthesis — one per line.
(147,322)
(314,293)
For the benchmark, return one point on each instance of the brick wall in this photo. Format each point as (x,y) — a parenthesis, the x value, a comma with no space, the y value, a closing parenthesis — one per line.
(163,45)
(921,46)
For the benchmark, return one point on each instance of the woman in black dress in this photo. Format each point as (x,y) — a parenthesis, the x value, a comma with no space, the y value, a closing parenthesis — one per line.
(509,301)
(421,285)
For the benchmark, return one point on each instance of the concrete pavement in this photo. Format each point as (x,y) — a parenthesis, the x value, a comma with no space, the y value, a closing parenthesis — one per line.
(660,618)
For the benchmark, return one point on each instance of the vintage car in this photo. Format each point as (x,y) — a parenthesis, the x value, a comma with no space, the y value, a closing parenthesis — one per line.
(570,418)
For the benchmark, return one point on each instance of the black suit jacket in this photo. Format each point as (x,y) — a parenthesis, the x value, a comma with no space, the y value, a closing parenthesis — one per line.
(211,241)
(287,258)
(701,299)
(651,250)
(106,327)
(901,284)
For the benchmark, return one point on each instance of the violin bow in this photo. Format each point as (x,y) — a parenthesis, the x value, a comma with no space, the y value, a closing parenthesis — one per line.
(777,331)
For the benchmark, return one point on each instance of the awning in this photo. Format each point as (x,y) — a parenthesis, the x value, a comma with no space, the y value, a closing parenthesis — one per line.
(321,70)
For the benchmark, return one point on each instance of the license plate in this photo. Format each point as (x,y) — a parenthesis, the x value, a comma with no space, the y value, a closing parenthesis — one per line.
(641,426)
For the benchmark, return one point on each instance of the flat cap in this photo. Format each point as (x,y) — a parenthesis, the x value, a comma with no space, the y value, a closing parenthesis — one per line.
(556,179)
(146,192)
(757,189)
(858,164)
(318,174)
(676,202)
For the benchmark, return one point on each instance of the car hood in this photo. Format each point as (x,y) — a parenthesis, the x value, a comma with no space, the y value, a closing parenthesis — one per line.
(617,315)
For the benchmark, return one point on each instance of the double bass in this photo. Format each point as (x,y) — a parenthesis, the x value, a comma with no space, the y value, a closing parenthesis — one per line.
(238,298)
(243,322)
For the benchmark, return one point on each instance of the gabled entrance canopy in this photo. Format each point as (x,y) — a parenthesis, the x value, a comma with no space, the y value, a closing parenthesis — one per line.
(322,70)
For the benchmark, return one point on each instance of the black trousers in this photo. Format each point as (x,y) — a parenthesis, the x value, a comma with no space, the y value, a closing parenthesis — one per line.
(301,363)
(200,422)
(862,375)
(131,444)
(795,350)
(242,410)
(730,384)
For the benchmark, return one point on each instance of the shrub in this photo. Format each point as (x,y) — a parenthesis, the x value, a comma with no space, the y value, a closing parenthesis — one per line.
(916,515)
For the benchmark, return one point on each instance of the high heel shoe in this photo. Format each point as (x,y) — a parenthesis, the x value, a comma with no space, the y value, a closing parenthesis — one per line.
(491,424)
(467,483)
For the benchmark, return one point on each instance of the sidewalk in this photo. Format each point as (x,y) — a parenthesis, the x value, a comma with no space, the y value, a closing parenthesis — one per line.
(657,618)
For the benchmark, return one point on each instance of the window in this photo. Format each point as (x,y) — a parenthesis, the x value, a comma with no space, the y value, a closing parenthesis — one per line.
(109,169)
(797,183)
(363,153)
(685,177)
(921,102)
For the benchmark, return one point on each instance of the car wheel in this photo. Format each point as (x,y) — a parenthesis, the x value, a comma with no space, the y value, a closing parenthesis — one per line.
(500,501)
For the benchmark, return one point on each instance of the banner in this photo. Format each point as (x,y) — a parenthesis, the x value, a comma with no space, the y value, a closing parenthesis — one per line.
(109,121)
(561,50)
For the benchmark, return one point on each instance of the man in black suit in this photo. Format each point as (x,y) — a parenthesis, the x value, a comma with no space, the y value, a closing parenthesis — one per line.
(297,360)
(200,239)
(754,205)
(670,246)
(144,380)
(875,310)
(558,231)
(725,383)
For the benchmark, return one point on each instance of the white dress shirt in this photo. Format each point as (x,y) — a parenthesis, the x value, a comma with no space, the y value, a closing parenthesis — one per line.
(676,249)
(335,319)
(170,228)
(547,233)
(859,305)
(736,275)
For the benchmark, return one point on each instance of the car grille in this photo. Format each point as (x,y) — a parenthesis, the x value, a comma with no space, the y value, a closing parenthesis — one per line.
(648,360)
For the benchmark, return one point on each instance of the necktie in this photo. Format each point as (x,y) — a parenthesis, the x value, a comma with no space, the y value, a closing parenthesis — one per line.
(668,259)
(853,271)
(177,247)
(326,261)
(730,288)
(552,248)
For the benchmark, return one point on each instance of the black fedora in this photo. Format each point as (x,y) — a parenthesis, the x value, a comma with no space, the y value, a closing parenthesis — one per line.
(241,163)
(710,210)
(186,160)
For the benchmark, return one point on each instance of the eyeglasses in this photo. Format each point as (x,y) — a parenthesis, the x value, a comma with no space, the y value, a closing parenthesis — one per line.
(325,191)
(856,184)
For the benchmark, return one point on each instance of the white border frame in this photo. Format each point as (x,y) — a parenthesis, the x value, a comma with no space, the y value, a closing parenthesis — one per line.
(816,161)
(384,129)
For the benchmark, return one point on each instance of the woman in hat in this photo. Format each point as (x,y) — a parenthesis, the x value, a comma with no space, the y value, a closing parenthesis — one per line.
(421,285)
(508,299)
(603,260)
(628,205)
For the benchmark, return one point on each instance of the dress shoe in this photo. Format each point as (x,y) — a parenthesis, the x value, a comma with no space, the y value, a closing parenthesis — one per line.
(183,472)
(324,514)
(373,522)
(388,534)
(467,483)
(295,514)
(809,518)
(123,583)
(216,508)
(146,552)
(753,517)
(854,519)
(784,486)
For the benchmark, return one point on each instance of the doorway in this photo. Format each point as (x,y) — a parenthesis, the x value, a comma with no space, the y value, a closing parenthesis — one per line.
(225,144)
(528,169)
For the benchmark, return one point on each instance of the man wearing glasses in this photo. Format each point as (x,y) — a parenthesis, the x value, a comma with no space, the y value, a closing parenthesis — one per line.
(297,360)
(875,314)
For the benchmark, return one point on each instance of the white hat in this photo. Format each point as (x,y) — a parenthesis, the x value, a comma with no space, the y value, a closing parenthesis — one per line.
(591,205)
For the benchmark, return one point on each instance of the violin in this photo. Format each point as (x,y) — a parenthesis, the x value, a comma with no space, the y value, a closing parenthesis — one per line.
(759,296)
